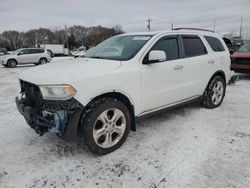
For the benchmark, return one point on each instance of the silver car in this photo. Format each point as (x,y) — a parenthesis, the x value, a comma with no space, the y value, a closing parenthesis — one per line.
(35,56)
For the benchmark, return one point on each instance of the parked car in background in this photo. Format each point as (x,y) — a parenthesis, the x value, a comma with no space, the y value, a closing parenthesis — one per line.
(3,51)
(80,52)
(35,56)
(51,54)
(229,45)
(126,77)
(240,60)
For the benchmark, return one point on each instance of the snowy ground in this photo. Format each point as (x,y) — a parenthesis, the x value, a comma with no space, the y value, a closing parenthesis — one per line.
(61,59)
(186,147)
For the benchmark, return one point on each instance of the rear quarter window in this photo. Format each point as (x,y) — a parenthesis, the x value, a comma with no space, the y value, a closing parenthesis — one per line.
(193,46)
(215,43)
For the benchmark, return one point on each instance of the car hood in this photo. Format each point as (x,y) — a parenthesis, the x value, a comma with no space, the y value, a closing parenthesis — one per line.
(69,71)
(241,55)
(7,56)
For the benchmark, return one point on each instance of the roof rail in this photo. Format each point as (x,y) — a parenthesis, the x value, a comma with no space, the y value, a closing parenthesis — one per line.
(187,28)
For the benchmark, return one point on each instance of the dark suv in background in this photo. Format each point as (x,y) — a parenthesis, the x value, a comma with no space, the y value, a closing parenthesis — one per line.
(3,51)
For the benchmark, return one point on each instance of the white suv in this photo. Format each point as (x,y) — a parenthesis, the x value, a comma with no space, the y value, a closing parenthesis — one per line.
(126,77)
(26,56)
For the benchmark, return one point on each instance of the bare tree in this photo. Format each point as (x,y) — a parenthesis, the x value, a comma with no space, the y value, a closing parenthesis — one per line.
(77,36)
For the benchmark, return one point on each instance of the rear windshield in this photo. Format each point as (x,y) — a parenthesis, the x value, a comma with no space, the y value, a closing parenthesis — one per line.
(245,48)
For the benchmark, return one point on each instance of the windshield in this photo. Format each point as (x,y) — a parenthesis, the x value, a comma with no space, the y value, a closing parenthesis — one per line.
(120,48)
(245,48)
(16,51)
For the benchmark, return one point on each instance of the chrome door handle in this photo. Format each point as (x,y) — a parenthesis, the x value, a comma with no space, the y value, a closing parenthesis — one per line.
(178,67)
(211,61)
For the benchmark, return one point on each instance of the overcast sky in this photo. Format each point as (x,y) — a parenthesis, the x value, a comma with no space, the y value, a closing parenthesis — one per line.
(23,15)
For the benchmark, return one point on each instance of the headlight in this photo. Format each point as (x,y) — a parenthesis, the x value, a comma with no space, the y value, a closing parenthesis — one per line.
(57,92)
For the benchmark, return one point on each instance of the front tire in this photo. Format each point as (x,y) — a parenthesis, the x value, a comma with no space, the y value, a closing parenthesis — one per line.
(215,93)
(12,63)
(105,125)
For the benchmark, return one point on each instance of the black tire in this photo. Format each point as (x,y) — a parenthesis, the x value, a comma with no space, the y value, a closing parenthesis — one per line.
(208,100)
(12,63)
(43,61)
(90,122)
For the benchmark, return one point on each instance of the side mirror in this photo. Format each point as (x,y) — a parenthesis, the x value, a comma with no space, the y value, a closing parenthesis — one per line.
(155,56)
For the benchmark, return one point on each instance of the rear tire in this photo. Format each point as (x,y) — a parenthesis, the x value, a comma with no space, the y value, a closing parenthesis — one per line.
(105,126)
(215,93)
(12,63)
(43,61)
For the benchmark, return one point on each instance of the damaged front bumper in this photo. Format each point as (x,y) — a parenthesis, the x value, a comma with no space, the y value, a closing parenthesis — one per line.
(60,117)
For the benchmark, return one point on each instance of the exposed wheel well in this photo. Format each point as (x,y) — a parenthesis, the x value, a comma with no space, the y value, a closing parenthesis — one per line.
(217,73)
(124,99)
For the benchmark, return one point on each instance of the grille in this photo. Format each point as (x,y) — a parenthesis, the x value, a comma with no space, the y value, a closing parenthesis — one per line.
(32,93)
(242,61)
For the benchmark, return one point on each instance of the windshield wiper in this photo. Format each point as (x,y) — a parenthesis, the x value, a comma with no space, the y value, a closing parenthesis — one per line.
(96,57)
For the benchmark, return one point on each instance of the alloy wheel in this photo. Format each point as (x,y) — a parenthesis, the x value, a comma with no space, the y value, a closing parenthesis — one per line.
(218,91)
(12,64)
(43,61)
(109,128)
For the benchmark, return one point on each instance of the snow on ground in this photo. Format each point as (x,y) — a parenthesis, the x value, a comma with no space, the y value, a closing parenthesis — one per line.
(186,147)
(61,59)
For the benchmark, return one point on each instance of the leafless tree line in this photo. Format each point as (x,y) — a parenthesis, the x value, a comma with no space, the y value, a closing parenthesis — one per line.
(73,36)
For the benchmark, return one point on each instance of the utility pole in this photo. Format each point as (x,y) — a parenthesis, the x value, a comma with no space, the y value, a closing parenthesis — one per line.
(172,26)
(67,38)
(214,25)
(241,22)
(149,24)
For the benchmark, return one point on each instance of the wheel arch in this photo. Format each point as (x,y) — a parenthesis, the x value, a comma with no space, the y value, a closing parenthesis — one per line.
(217,73)
(42,58)
(12,59)
(122,98)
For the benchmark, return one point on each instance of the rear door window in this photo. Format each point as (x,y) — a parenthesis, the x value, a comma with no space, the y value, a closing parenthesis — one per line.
(215,44)
(193,46)
(36,51)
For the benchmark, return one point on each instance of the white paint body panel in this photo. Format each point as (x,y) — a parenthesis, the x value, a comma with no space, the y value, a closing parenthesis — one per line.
(26,58)
(148,87)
